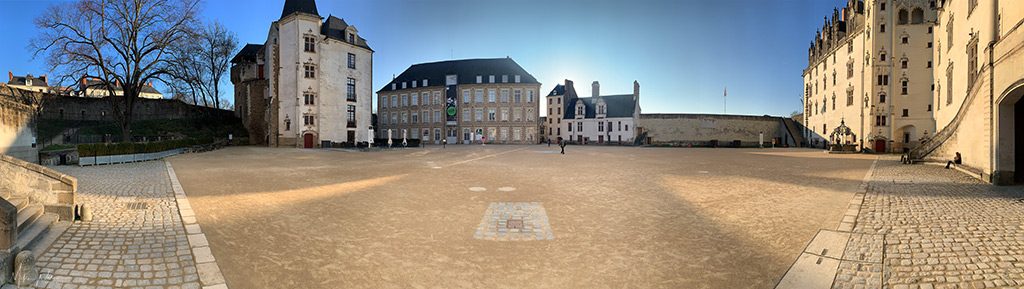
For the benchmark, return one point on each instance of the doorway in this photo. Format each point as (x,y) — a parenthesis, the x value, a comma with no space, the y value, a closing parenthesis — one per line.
(307,141)
(880,146)
(1018,141)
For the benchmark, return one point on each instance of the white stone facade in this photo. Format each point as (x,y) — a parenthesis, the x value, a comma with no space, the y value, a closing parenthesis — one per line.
(311,102)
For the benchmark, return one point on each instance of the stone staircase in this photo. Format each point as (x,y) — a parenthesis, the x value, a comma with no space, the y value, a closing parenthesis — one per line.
(794,130)
(36,229)
(930,145)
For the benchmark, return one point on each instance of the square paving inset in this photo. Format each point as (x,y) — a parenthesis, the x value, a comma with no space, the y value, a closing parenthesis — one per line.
(514,222)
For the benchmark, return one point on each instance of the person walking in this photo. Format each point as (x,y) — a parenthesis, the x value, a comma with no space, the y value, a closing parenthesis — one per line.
(444,143)
(549,142)
(561,143)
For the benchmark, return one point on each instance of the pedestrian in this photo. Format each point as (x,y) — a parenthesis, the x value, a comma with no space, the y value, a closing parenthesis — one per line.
(444,143)
(549,142)
(561,143)
(956,160)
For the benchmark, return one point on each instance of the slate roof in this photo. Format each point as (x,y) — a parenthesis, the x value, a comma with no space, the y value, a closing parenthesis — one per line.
(20,80)
(299,6)
(559,90)
(97,84)
(466,69)
(334,28)
(248,53)
(617,106)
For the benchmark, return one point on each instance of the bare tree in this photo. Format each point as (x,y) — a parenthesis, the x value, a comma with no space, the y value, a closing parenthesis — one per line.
(122,43)
(201,62)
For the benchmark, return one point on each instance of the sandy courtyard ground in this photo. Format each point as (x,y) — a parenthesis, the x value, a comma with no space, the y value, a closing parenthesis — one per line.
(620,217)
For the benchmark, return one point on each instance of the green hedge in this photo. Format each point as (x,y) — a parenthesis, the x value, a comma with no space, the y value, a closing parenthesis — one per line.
(100,149)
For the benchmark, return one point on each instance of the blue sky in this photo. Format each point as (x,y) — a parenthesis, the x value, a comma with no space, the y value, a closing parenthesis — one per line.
(683,52)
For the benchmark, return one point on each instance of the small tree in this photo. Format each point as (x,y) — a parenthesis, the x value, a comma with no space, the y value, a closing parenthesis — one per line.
(199,64)
(122,43)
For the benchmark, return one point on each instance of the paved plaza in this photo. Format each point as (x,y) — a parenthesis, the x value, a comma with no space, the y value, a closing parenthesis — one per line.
(136,237)
(523,217)
(940,229)
(608,217)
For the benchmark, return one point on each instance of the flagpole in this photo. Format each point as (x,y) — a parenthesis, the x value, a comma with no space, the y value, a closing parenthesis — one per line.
(725,103)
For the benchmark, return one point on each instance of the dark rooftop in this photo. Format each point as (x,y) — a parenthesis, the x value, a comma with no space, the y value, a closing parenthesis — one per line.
(466,69)
(248,53)
(617,105)
(299,6)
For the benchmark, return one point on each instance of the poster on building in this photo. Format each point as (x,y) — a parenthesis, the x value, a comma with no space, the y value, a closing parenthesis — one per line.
(451,99)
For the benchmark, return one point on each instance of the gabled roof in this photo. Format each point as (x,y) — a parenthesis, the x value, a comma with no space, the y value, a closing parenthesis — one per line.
(466,69)
(21,80)
(98,84)
(299,6)
(559,90)
(335,27)
(617,106)
(248,53)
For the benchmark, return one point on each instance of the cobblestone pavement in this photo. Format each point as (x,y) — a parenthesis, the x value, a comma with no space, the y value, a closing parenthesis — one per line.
(935,228)
(136,238)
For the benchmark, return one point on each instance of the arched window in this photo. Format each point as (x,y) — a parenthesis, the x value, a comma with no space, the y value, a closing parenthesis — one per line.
(917,17)
(904,17)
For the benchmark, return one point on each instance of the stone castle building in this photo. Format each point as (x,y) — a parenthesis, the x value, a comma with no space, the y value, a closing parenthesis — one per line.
(309,84)
(596,119)
(870,69)
(463,101)
(979,82)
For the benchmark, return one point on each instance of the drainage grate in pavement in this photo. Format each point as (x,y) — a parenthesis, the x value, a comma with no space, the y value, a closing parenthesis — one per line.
(514,224)
(137,206)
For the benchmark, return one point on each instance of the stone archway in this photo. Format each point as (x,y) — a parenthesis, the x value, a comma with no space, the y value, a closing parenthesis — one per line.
(906,138)
(1009,136)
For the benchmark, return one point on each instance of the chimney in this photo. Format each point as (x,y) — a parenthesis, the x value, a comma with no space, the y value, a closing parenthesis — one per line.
(569,89)
(636,90)
(596,89)
(10,75)
(43,77)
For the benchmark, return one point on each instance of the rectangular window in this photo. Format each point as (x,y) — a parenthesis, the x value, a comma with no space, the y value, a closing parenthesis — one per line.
(309,120)
(437,116)
(504,79)
(504,95)
(479,79)
(478,96)
(906,112)
(529,96)
(517,78)
(972,61)
(426,116)
(351,116)
(491,115)
(517,97)
(310,44)
(570,126)
(351,89)
(351,61)
(465,96)
(465,114)
(491,79)
(491,95)
(310,99)
(310,71)
(415,99)
(415,117)
(394,101)
(579,126)
(405,100)
(504,114)
(287,125)
(479,114)
(517,114)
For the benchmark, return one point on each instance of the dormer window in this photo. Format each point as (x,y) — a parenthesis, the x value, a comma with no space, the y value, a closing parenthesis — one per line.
(352,38)
(28,81)
(479,79)
(517,78)
(504,79)
(425,83)
(405,85)
(491,79)
(414,84)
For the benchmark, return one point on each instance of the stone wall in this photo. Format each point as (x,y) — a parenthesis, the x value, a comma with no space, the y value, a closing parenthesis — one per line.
(58,107)
(702,129)
(17,136)
(55,190)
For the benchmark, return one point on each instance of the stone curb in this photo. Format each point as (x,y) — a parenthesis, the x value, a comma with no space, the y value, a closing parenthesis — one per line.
(814,269)
(206,265)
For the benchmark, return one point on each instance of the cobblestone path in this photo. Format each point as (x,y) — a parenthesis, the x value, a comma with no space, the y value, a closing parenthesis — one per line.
(136,238)
(935,228)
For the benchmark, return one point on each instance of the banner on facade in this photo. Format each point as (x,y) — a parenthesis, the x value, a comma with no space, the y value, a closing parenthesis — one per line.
(451,109)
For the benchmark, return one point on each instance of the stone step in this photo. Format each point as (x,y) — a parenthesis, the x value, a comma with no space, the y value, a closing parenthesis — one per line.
(35,231)
(28,214)
(44,242)
(18,202)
